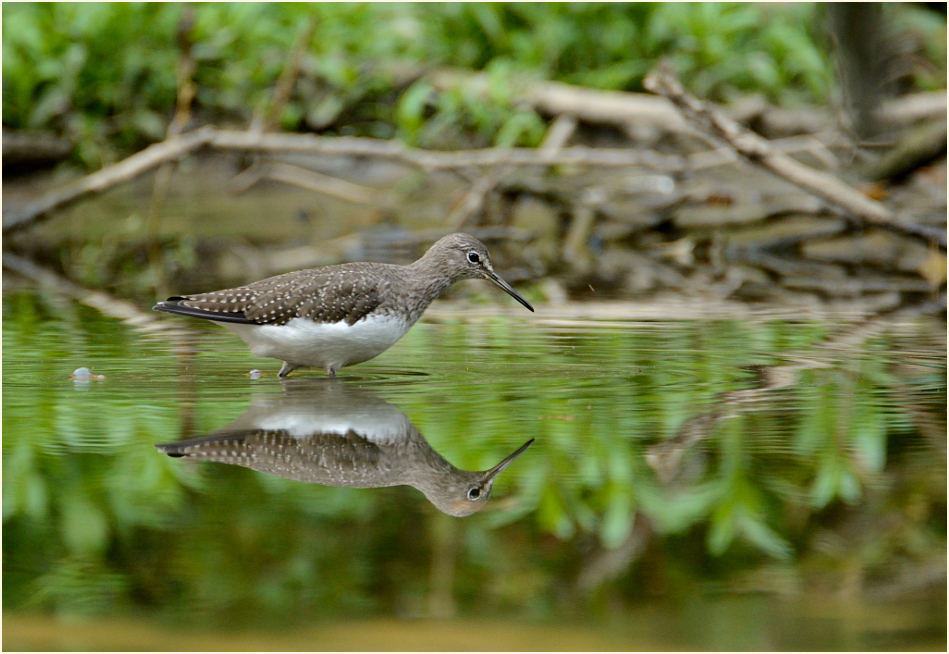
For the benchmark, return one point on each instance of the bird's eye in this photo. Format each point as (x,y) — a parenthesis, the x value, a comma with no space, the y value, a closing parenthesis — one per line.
(473,257)
(475,492)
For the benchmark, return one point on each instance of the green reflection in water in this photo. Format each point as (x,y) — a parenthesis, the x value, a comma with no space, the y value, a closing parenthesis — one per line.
(672,459)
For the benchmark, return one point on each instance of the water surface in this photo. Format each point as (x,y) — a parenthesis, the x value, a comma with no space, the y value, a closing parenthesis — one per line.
(719,484)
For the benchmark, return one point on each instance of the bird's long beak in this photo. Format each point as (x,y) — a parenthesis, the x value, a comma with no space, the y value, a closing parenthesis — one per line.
(499,468)
(507,288)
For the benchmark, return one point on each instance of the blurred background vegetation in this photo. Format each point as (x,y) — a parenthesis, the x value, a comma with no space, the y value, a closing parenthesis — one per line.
(104,74)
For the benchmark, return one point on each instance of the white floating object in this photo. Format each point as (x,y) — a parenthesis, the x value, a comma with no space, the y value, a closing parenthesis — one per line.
(82,374)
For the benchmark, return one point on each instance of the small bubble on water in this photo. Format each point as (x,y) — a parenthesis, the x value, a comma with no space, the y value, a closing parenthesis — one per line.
(255,374)
(82,374)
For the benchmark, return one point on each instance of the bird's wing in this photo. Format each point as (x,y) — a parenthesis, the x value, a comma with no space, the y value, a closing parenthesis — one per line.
(329,459)
(333,294)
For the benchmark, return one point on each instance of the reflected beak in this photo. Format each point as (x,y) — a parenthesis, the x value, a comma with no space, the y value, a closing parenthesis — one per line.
(503,285)
(499,468)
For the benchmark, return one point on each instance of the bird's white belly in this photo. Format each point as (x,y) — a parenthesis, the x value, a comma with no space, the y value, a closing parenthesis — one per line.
(305,343)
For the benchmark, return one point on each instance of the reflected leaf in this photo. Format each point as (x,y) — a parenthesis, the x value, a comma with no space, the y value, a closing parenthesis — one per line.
(580,511)
(766,538)
(590,470)
(825,484)
(868,427)
(78,586)
(552,515)
(680,509)
(849,487)
(721,531)
(834,479)
(35,497)
(84,526)
(817,422)
(617,521)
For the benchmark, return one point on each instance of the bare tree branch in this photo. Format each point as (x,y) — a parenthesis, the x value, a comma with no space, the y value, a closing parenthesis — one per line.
(474,199)
(662,81)
(428,160)
(110,176)
(436,160)
(314,181)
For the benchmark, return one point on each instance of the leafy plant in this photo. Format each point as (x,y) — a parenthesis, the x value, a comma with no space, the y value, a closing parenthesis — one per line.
(104,74)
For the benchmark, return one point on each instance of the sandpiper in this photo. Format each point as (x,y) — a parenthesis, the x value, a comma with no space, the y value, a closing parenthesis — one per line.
(330,434)
(337,316)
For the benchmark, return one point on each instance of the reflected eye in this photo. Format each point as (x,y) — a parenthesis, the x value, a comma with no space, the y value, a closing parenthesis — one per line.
(475,492)
(473,257)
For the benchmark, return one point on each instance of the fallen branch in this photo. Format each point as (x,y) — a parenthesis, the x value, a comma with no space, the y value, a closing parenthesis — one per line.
(314,181)
(590,105)
(662,81)
(253,141)
(920,146)
(474,199)
(311,180)
(610,107)
(437,160)
(428,160)
(428,236)
(102,302)
(24,147)
(559,133)
(608,564)
(913,108)
(106,178)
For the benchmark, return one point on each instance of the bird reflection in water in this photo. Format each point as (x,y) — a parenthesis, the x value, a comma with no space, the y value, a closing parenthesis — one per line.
(328,434)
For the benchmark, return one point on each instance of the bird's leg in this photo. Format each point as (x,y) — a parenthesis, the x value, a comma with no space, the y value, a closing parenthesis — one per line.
(285,369)
(331,372)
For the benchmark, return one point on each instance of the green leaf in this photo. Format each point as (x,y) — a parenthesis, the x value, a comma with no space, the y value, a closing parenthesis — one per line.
(722,530)
(410,110)
(825,484)
(766,538)
(617,521)
(849,487)
(552,515)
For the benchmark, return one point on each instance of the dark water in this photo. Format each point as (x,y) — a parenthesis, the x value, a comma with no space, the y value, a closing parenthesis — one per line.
(723,484)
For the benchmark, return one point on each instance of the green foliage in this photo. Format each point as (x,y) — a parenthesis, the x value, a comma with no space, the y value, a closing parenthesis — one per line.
(99,72)
(429,119)
(717,47)
(104,74)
